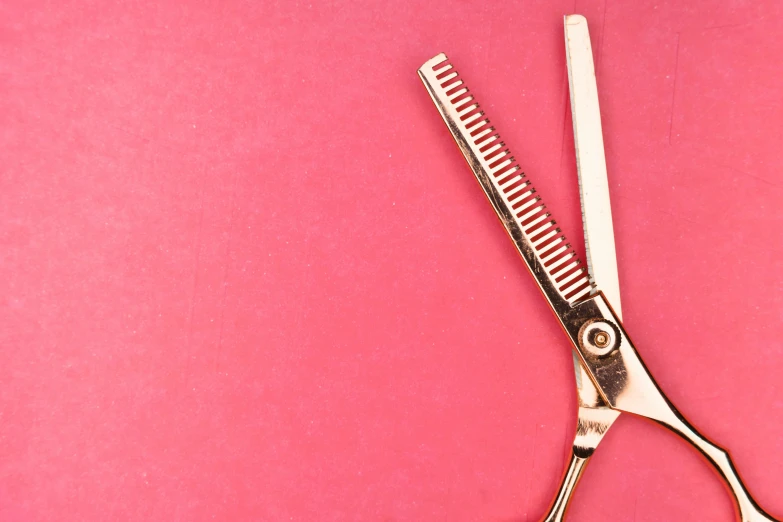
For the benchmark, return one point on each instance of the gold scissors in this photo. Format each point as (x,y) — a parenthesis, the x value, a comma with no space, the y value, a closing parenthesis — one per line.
(611,376)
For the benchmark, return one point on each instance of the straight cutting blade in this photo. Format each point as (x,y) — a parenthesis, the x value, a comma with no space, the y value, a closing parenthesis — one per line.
(591,162)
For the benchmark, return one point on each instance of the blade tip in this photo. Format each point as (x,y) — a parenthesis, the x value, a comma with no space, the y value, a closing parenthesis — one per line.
(435,60)
(574,19)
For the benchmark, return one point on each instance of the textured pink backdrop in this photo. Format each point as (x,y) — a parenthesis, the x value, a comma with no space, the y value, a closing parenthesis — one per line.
(246,274)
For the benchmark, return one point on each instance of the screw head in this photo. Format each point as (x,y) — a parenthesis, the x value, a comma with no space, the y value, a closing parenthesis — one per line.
(599,338)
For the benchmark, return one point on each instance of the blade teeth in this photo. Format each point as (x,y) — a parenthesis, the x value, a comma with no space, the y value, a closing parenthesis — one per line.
(497,167)
(443,71)
(472,119)
(523,218)
(492,141)
(527,204)
(581,293)
(564,269)
(532,229)
(518,190)
(476,122)
(537,244)
(452,89)
(578,290)
(514,168)
(542,233)
(467,107)
(464,100)
(495,149)
(467,120)
(555,254)
(445,79)
(438,62)
(566,281)
(509,171)
(497,156)
(552,250)
(483,134)
(575,285)
(456,94)
(510,180)
(563,259)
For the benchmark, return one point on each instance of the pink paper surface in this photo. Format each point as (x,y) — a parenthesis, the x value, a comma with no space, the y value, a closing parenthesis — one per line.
(246,274)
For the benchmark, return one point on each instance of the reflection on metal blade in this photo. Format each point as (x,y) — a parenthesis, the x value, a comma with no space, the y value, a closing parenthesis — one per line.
(591,162)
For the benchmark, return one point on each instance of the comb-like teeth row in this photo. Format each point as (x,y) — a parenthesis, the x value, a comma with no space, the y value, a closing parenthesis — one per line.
(563,267)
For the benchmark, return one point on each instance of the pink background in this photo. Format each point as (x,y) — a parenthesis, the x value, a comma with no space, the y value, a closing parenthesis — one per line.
(246,274)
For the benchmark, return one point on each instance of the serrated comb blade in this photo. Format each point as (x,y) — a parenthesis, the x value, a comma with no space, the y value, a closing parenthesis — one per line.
(547,254)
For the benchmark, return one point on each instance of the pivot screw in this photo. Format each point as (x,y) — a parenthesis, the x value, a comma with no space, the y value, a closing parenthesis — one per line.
(600,338)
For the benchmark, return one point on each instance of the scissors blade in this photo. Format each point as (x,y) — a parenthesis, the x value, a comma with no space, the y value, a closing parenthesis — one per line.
(549,257)
(591,162)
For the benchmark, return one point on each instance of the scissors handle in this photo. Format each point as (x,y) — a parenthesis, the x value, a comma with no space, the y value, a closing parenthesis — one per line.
(576,467)
(626,385)
(594,418)
(749,510)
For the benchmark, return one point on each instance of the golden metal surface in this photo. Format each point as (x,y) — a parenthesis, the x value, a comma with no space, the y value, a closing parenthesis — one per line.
(616,372)
(513,201)
(574,471)
(547,254)
(590,159)
(626,385)
(594,418)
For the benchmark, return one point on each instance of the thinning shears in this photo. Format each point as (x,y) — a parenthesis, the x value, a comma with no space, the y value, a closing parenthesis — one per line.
(611,377)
